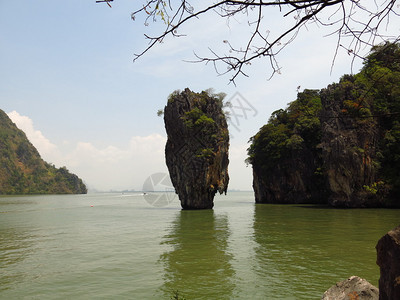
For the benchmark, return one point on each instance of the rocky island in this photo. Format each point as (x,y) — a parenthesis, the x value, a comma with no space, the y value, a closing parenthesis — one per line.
(23,171)
(339,145)
(197,147)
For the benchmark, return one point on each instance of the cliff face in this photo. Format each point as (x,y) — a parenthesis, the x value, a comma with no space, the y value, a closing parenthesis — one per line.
(22,170)
(340,145)
(285,157)
(349,147)
(197,147)
(293,180)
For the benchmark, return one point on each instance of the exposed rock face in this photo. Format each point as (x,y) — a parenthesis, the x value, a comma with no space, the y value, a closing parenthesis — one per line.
(285,155)
(349,149)
(292,181)
(388,259)
(328,155)
(352,289)
(197,147)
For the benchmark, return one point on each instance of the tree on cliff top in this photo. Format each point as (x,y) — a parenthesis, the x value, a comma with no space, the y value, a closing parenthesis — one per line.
(354,24)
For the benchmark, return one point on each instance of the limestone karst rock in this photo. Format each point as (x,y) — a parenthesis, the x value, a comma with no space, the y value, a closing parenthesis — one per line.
(388,259)
(349,147)
(285,155)
(197,147)
(336,146)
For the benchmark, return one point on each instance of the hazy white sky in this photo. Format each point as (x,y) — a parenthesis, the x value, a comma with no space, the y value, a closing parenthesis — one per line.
(67,79)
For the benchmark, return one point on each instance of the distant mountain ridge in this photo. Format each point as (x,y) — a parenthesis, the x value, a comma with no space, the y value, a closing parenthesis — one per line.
(23,171)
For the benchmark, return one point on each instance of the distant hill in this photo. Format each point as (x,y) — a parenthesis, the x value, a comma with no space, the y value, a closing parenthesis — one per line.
(23,171)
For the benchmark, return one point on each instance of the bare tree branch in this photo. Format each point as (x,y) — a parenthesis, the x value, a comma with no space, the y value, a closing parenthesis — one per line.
(356,26)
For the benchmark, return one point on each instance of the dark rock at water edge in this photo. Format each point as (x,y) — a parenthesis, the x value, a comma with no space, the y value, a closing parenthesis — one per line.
(292,181)
(197,147)
(351,289)
(388,259)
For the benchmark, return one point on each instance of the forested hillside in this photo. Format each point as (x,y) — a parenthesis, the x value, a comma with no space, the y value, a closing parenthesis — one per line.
(23,171)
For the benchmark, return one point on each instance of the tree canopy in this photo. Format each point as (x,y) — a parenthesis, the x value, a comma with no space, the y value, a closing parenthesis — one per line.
(355,23)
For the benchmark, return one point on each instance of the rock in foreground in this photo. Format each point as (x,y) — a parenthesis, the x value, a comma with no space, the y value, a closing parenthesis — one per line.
(388,259)
(351,289)
(197,147)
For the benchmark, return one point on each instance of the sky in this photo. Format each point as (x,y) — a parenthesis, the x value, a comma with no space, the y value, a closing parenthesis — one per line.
(68,80)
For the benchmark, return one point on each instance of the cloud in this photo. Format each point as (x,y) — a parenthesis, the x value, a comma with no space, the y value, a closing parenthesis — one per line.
(42,144)
(240,175)
(119,168)
(104,168)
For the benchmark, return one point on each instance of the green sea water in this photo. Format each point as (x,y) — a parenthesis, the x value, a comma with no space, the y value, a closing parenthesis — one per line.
(117,246)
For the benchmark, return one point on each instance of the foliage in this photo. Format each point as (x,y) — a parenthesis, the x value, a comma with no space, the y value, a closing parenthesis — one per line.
(173,95)
(288,131)
(220,99)
(197,118)
(375,187)
(160,112)
(381,76)
(22,171)
(201,121)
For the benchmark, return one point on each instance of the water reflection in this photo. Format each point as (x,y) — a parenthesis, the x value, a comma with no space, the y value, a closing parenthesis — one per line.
(198,264)
(302,251)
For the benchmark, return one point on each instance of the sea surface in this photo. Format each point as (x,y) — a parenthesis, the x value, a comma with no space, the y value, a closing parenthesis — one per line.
(118,246)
